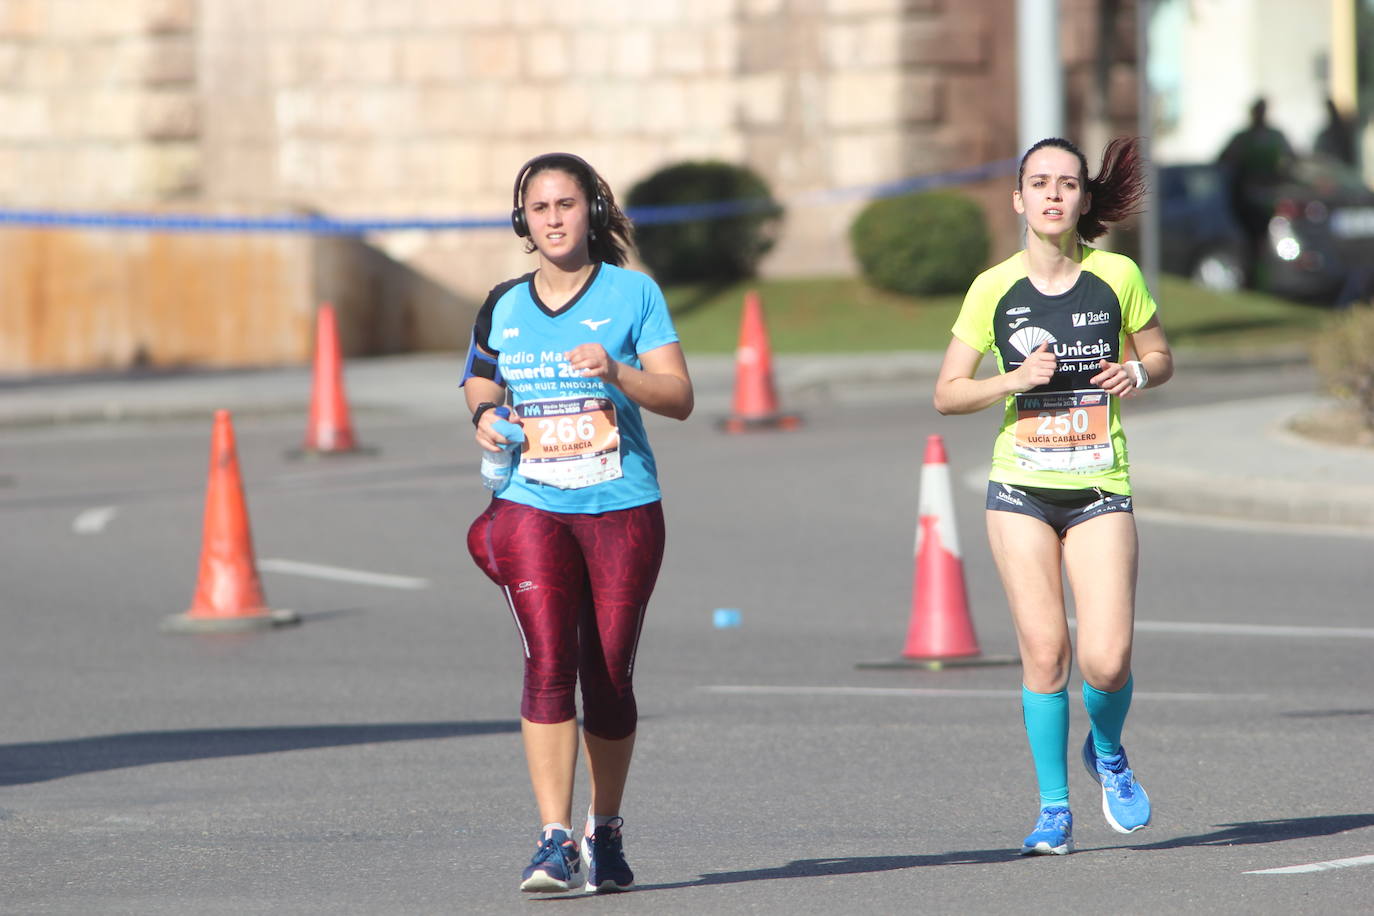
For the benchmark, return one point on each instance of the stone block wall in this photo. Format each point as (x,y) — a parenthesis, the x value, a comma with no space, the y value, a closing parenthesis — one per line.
(426,108)
(98,102)
(374,107)
(90,299)
(107,300)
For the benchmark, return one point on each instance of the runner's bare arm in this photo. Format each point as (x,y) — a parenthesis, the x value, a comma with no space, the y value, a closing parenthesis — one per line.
(1152,348)
(662,386)
(958,392)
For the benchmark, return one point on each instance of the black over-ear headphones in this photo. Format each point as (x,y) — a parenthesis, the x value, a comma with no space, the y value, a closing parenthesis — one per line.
(600,210)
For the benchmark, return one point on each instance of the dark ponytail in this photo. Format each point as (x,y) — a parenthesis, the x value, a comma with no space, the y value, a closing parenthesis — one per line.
(1118,189)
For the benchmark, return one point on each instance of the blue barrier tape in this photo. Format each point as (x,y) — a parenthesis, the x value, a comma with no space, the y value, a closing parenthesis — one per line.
(319,225)
(922,182)
(182,222)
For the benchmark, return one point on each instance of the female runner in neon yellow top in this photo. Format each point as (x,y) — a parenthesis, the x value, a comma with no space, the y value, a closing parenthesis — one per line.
(1074,329)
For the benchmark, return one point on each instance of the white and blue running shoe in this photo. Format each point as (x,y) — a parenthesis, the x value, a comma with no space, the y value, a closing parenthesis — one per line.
(1053,834)
(604,851)
(556,866)
(1124,802)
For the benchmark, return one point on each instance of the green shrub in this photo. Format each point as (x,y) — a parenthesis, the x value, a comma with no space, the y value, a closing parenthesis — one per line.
(926,243)
(1343,355)
(713,248)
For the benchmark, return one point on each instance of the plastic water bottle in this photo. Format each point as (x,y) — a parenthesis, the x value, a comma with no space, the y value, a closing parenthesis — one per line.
(497,466)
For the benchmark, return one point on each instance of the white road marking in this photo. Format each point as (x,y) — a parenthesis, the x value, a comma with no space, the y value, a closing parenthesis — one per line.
(1316,866)
(1249,629)
(783,690)
(93,521)
(339,574)
(801,690)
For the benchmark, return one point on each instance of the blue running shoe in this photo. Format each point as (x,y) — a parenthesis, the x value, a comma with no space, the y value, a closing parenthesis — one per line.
(1052,836)
(556,866)
(1124,802)
(607,869)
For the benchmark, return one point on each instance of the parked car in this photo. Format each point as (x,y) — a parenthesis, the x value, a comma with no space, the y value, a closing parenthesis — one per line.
(1320,240)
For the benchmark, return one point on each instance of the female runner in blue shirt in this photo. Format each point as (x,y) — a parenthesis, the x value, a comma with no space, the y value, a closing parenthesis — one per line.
(575,538)
(1074,330)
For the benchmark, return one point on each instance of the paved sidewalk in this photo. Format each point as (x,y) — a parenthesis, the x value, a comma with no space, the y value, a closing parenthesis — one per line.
(1240,460)
(1234,460)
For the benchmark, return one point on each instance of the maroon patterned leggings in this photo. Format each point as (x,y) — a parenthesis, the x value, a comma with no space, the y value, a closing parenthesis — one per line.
(578,586)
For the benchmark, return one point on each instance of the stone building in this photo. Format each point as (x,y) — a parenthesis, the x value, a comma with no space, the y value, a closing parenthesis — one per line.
(424,109)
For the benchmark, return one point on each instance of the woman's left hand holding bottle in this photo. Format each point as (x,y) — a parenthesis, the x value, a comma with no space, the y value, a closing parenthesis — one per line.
(500,440)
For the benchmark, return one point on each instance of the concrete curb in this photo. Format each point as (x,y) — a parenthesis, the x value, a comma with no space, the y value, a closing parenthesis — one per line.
(1254,499)
(1245,464)
(428,382)
(1262,472)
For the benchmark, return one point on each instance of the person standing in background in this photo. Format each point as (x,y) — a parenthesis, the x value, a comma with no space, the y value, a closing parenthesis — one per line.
(1255,161)
(1336,139)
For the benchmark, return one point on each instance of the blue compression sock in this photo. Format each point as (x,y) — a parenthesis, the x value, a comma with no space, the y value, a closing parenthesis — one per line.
(1107,713)
(1047,727)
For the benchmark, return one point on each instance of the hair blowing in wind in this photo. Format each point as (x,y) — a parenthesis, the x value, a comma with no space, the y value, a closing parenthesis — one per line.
(1117,191)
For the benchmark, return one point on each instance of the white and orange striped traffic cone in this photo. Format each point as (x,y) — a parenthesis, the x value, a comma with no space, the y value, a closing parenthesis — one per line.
(940,633)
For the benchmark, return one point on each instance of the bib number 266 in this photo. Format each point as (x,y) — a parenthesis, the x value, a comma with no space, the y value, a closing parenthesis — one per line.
(555,431)
(576,442)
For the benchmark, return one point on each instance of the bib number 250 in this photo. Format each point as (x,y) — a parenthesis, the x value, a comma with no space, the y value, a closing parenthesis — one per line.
(1063,423)
(1063,431)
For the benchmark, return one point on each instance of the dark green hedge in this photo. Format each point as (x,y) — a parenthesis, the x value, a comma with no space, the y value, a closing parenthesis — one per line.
(925,243)
(710,249)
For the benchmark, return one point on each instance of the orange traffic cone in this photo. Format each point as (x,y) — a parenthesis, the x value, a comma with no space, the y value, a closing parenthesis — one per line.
(228,592)
(756,401)
(330,431)
(940,633)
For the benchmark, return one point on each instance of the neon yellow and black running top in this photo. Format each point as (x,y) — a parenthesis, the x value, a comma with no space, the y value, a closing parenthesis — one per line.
(1067,433)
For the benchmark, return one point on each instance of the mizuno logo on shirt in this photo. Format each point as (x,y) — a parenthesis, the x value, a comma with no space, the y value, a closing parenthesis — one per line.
(508,333)
(595,324)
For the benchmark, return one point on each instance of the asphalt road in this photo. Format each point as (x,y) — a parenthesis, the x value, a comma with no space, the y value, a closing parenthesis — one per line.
(368,761)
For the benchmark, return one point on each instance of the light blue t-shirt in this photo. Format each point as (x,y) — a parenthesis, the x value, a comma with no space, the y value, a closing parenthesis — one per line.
(622,310)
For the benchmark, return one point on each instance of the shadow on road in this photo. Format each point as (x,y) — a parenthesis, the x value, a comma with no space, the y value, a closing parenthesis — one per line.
(1250,833)
(41,761)
(1247,833)
(846,865)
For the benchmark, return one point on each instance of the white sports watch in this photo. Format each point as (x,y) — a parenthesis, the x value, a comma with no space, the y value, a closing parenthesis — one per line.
(1138,372)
